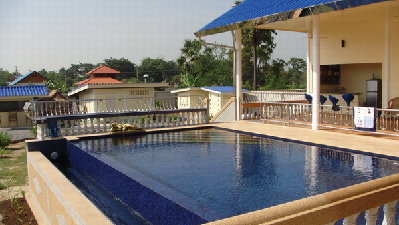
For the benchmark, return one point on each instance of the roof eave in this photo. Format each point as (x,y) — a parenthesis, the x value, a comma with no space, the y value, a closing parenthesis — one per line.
(21,97)
(186,89)
(283,16)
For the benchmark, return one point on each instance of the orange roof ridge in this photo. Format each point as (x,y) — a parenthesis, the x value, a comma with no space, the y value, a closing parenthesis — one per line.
(99,80)
(102,70)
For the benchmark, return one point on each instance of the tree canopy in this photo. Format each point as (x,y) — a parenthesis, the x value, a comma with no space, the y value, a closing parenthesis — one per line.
(126,67)
(204,65)
(5,77)
(158,69)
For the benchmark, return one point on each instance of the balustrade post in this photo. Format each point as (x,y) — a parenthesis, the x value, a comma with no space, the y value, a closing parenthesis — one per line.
(41,130)
(191,118)
(104,124)
(92,130)
(60,131)
(98,125)
(389,213)
(79,130)
(157,122)
(85,130)
(350,220)
(371,216)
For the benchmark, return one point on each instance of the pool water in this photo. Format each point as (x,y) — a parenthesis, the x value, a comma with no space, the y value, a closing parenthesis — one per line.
(233,173)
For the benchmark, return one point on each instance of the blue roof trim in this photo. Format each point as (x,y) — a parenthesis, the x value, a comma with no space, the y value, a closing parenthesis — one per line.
(33,90)
(255,9)
(223,89)
(21,78)
(77,88)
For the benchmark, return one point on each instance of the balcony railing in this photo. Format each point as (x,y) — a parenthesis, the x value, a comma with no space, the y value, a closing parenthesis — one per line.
(275,95)
(76,117)
(36,109)
(371,203)
(387,120)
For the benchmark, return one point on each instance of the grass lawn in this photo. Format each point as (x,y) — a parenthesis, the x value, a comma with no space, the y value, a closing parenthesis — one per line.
(13,171)
(14,208)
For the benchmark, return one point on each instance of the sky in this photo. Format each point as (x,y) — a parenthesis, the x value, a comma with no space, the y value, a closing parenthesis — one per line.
(50,34)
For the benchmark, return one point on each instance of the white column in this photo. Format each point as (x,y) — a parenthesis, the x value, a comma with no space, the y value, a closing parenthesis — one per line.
(386,64)
(316,72)
(238,75)
(308,58)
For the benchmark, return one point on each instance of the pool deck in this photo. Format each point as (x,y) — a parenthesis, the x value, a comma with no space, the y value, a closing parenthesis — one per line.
(361,141)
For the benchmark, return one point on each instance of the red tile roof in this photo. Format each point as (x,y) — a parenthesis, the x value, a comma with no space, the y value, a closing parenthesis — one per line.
(99,80)
(102,70)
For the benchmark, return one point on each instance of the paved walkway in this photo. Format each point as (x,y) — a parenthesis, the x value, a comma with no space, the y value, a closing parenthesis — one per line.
(374,143)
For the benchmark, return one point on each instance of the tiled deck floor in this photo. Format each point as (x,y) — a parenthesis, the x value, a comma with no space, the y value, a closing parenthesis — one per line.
(362,141)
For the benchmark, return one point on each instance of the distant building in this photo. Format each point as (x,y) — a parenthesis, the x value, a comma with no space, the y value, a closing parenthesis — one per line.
(31,78)
(103,85)
(192,96)
(12,100)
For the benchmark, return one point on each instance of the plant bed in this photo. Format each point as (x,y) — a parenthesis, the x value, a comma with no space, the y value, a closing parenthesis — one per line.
(16,212)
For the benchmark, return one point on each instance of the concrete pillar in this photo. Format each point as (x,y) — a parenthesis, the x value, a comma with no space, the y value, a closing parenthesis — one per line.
(238,66)
(41,130)
(308,58)
(316,71)
(386,65)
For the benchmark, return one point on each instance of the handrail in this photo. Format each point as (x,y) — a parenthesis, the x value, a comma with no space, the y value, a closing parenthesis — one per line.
(231,100)
(35,109)
(324,208)
(113,99)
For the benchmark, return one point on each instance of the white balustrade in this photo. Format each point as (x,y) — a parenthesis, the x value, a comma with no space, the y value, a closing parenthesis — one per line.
(389,213)
(350,220)
(275,95)
(371,216)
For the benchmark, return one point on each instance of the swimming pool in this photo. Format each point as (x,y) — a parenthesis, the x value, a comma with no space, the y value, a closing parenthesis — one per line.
(216,173)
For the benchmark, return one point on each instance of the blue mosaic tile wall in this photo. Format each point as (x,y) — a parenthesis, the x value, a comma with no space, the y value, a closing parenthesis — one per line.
(155,208)
(47,147)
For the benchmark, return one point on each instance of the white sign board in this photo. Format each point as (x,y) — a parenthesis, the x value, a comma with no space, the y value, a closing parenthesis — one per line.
(364,117)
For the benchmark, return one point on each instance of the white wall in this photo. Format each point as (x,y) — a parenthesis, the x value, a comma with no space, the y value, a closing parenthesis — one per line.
(364,50)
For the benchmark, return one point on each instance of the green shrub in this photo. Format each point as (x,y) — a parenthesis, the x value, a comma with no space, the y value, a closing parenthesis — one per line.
(33,130)
(5,139)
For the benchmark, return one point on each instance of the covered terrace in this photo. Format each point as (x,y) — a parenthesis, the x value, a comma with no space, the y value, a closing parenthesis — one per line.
(358,38)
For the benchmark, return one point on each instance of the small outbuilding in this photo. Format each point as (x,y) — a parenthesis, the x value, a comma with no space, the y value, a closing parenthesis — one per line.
(12,101)
(192,96)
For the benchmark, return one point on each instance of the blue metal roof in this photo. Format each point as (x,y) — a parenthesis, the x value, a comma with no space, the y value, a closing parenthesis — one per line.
(33,90)
(21,78)
(255,9)
(223,89)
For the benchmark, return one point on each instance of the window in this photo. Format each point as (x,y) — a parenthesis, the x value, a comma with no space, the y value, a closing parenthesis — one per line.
(140,92)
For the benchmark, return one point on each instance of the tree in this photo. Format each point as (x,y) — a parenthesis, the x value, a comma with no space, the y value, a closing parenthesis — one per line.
(75,73)
(205,65)
(55,81)
(5,77)
(258,48)
(296,71)
(285,75)
(275,75)
(158,69)
(126,67)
